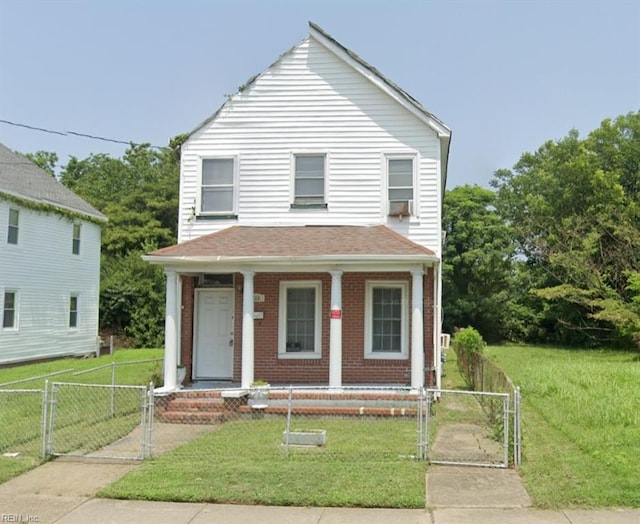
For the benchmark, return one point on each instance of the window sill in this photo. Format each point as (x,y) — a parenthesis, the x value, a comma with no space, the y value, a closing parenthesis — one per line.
(386,356)
(309,206)
(299,356)
(230,216)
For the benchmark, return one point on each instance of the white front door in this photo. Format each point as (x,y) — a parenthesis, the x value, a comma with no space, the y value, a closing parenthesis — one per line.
(213,334)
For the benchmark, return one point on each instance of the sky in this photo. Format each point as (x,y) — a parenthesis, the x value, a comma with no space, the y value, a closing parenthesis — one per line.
(505,76)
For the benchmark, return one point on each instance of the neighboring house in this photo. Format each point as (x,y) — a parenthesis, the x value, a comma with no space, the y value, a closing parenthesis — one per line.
(310,230)
(49,265)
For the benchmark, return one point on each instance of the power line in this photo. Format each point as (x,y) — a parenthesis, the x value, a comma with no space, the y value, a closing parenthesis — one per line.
(75,133)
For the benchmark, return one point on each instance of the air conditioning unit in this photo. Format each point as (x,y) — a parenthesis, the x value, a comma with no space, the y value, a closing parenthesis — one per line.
(445,339)
(400,208)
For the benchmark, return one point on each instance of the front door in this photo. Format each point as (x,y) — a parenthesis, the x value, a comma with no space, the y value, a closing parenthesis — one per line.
(213,334)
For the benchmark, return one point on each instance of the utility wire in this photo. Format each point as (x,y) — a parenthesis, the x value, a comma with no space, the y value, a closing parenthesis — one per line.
(74,133)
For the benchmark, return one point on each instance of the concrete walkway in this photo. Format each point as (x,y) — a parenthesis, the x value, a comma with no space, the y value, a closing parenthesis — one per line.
(63,492)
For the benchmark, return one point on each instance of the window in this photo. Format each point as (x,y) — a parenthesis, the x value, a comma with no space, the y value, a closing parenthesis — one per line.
(9,310)
(386,320)
(14,218)
(218,179)
(73,311)
(309,179)
(299,320)
(400,185)
(75,248)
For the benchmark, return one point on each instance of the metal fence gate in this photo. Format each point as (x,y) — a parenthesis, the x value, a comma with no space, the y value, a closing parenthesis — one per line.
(471,428)
(98,421)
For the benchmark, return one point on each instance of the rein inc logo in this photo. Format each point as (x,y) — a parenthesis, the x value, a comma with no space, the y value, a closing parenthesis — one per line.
(18,517)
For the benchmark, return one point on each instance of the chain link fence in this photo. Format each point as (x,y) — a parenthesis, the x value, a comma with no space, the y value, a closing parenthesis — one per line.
(381,424)
(21,423)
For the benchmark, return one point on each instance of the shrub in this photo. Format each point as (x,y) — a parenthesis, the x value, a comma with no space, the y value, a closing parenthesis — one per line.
(467,342)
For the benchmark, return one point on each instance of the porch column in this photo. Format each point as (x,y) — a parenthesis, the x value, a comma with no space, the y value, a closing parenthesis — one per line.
(247,330)
(417,331)
(171,331)
(335,331)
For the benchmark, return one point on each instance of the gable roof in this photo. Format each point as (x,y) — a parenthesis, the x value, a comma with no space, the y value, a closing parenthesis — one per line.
(285,242)
(374,76)
(21,178)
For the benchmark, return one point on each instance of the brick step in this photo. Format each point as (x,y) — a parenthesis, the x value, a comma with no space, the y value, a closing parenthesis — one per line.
(191,417)
(196,404)
(351,411)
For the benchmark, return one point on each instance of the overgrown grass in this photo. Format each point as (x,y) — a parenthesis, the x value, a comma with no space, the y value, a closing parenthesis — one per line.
(581,424)
(361,465)
(84,426)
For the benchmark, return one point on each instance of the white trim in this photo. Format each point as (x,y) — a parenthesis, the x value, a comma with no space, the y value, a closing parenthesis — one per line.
(16,310)
(282,319)
(236,177)
(292,176)
(414,156)
(368,314)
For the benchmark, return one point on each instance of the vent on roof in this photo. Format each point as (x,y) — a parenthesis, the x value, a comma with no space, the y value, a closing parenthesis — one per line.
(400,208)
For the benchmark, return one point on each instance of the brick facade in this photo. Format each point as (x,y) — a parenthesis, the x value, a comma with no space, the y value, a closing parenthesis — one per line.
(356,369)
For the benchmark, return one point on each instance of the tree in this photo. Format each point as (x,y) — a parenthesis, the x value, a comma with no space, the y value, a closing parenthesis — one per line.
(477,266)
(46,160)
(574,207)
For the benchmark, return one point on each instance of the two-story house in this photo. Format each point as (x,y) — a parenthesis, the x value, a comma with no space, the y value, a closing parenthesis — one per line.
(310,230)
(49,265)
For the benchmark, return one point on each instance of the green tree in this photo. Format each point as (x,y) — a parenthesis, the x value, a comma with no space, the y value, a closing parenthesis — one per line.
(478,257)
(574,207)
(47,160)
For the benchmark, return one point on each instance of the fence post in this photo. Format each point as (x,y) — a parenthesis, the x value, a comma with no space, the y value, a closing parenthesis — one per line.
(288,429)
(505,410)
(113,389)
(43,429)
(110,344)
(517,435)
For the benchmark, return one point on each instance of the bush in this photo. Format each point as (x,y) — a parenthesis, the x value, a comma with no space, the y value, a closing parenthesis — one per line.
(467,342)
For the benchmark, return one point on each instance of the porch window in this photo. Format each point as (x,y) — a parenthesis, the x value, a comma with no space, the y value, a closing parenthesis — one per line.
(73,311)
(386,320)
(75,245)
(218,186)
(9,310)
(309,180)
(14,220)
(299,320)
(400,183)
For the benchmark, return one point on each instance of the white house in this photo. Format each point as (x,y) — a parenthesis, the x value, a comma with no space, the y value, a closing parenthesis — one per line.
(49,265)
(310,230)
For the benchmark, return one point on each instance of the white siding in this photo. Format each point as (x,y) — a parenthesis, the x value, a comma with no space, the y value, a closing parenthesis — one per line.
(313,101)
(45,273)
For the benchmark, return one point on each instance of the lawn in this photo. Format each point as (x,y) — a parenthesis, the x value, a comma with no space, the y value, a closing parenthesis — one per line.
(581,424)
(363,464)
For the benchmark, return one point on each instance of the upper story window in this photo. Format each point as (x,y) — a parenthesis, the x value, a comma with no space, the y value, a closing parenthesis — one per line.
(73,311)
(9,310)
(75,247)
(218,187)
(14,222)
(386,320)
(400,184)
(300,332)
(309,180)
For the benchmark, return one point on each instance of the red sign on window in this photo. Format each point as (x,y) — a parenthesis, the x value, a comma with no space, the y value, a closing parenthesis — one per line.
(336,313)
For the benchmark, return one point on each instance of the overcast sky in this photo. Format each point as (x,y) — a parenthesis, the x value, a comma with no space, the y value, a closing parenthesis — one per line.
(505,76)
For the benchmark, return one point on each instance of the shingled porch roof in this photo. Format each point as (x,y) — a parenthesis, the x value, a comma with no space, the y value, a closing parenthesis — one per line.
(245,242)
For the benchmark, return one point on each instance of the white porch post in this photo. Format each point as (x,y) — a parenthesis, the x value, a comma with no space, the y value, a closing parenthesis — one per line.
(171,331)
(417,331)
(335,331)
(247,330)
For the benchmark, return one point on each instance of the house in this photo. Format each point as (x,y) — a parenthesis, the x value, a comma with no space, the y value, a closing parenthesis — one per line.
(49,265)
(309,244)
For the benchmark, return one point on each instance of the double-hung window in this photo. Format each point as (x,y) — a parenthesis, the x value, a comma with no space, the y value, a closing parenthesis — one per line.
(14,222)
(386,320)
(10,310)
(73,311)
(300,332)
(75,245)
(217,195)
(400,185)
(309,180)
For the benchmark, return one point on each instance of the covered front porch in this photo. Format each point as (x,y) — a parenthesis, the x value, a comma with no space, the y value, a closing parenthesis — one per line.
(355,318)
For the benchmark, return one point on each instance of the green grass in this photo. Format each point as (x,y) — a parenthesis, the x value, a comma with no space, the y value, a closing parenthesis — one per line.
(361,465)
(83,422)
(580,423)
